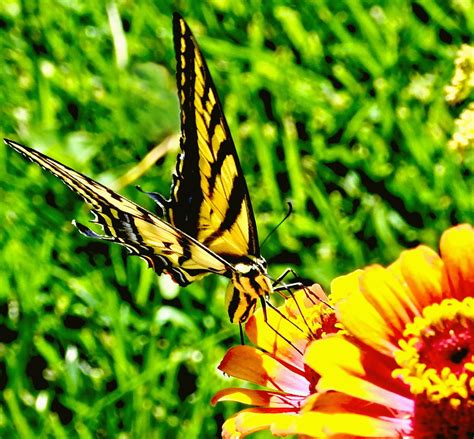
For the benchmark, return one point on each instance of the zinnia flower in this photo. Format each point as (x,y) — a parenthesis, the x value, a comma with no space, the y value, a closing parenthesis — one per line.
(410,347)
(278,364)
(402,367)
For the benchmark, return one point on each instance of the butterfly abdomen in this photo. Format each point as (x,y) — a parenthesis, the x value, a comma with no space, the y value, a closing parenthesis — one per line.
(250,284)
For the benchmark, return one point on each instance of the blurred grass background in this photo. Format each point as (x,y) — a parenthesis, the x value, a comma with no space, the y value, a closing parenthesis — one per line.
(336,106)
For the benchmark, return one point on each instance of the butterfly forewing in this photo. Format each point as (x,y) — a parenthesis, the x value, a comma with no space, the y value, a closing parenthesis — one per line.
(163,246)
(209,225)
(209,199)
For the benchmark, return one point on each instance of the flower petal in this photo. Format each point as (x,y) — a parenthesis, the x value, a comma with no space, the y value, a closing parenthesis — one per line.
(269,337)
(345,425)
(359,315)
(252,420)
(258,398)
(344,286)
(258,367)
(422,269)
(457,251)
(362,373)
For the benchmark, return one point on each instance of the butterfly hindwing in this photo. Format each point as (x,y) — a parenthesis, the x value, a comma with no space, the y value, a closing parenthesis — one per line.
(144,234)
(209,199)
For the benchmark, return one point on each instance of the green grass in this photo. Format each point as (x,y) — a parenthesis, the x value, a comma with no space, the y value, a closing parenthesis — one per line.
(336,106)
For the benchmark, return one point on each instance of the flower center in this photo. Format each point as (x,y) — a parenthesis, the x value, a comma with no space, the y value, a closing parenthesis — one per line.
(319,320)
(436,359)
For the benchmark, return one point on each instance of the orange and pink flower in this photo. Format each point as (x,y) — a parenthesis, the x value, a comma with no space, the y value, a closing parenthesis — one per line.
(404,364)
(278,364)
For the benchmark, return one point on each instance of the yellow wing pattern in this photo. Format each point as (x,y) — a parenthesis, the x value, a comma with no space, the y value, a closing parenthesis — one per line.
(209,197)
(209,225)
(144,234)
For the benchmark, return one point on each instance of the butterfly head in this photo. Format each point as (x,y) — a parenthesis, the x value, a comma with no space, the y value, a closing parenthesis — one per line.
(249,283)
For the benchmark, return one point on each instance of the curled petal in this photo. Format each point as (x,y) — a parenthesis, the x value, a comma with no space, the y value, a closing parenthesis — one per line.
(258,367)
(258,398)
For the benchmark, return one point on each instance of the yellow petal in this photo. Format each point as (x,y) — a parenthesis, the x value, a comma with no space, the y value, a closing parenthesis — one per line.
(362,373)
(271,340)
(359,315)
(229,429)
(345,425)
(258,398)
(337,415)
(456,246)
(344,286)
(252,420)
(422,269)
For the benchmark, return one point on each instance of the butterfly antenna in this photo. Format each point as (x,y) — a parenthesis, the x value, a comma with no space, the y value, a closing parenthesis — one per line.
(290,210)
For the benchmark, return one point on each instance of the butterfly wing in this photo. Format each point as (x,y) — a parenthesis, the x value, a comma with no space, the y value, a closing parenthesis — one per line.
(209,197)
(162,245)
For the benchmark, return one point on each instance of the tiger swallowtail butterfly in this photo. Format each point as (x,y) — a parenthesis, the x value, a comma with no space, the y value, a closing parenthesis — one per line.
(207,225)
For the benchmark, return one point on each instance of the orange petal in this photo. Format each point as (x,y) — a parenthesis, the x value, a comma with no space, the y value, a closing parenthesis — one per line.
(457,251)
(258,398)
(363,374)
(257,367)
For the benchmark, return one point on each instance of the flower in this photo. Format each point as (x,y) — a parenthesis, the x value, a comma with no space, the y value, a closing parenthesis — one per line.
(408,349)
(278,364)
(462,82)
(463,136)
(395,360)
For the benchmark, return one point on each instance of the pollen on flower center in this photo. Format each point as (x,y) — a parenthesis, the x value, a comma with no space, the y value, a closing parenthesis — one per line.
(319,321)
(436,356)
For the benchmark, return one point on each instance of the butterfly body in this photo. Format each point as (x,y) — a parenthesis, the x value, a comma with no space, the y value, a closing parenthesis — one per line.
(207,225)
(250,283)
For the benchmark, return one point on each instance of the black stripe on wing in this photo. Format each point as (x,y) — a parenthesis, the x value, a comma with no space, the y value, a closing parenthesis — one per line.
(163,247)
(207,147)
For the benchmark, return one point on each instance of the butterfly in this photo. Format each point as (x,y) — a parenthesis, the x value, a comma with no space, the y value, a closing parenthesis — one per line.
(207,225)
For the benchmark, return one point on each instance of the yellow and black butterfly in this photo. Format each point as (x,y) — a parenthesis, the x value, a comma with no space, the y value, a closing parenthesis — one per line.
(207,225)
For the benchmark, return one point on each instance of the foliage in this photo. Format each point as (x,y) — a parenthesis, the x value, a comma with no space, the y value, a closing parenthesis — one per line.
(336,106)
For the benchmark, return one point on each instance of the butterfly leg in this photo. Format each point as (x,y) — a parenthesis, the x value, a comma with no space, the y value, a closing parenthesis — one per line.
(289,287)
(242,339)
(278,284)
(282,276)
(279,334)
(295,285)
(162,202)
